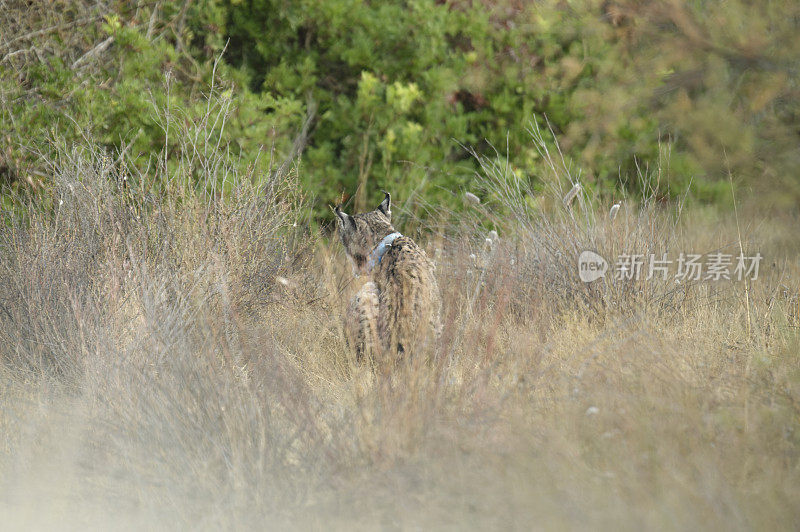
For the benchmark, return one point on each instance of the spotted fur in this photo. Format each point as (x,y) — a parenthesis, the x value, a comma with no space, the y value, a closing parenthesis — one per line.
(406,316)
(361,322)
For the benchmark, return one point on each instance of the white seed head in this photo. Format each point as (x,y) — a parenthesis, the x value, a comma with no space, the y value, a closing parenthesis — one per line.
(592,410)
(472,198)
(493,235)
(614,210)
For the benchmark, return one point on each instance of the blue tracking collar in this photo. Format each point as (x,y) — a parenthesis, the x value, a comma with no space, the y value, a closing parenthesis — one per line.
(380,250)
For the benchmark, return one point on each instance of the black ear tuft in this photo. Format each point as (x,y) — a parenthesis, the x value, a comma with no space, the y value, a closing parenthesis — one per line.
(345,219)
(386,205)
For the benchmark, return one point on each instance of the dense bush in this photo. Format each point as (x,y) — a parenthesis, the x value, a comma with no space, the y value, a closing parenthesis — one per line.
(389,91)
(124,80)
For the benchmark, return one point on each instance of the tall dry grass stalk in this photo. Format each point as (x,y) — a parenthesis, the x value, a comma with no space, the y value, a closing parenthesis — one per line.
(172,357)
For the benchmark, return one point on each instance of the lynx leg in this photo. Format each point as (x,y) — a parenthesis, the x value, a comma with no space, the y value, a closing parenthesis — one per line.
(361,322)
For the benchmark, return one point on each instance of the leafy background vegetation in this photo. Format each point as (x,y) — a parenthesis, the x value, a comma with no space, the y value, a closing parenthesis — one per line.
(390,93)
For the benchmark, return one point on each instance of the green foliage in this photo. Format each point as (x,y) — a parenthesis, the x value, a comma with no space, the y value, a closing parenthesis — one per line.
(401,87)
(128,96)
(621,85)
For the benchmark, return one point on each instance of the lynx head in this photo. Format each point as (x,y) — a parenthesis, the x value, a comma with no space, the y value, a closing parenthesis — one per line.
(360,233)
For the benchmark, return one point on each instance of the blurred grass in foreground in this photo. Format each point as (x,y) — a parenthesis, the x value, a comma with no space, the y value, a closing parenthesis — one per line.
(176,360)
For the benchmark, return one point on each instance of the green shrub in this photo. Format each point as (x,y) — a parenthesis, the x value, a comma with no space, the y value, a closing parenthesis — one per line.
(401,88)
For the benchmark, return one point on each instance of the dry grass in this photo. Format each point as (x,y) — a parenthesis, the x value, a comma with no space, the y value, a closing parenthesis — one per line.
(176,360)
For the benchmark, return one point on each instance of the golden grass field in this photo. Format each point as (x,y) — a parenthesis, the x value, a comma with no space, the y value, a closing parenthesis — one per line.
(177,361)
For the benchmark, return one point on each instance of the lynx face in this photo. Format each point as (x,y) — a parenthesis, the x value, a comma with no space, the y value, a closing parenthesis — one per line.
(360,233)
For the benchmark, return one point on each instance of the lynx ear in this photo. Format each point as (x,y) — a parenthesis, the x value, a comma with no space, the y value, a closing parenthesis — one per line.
(386,205)
(345,220)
